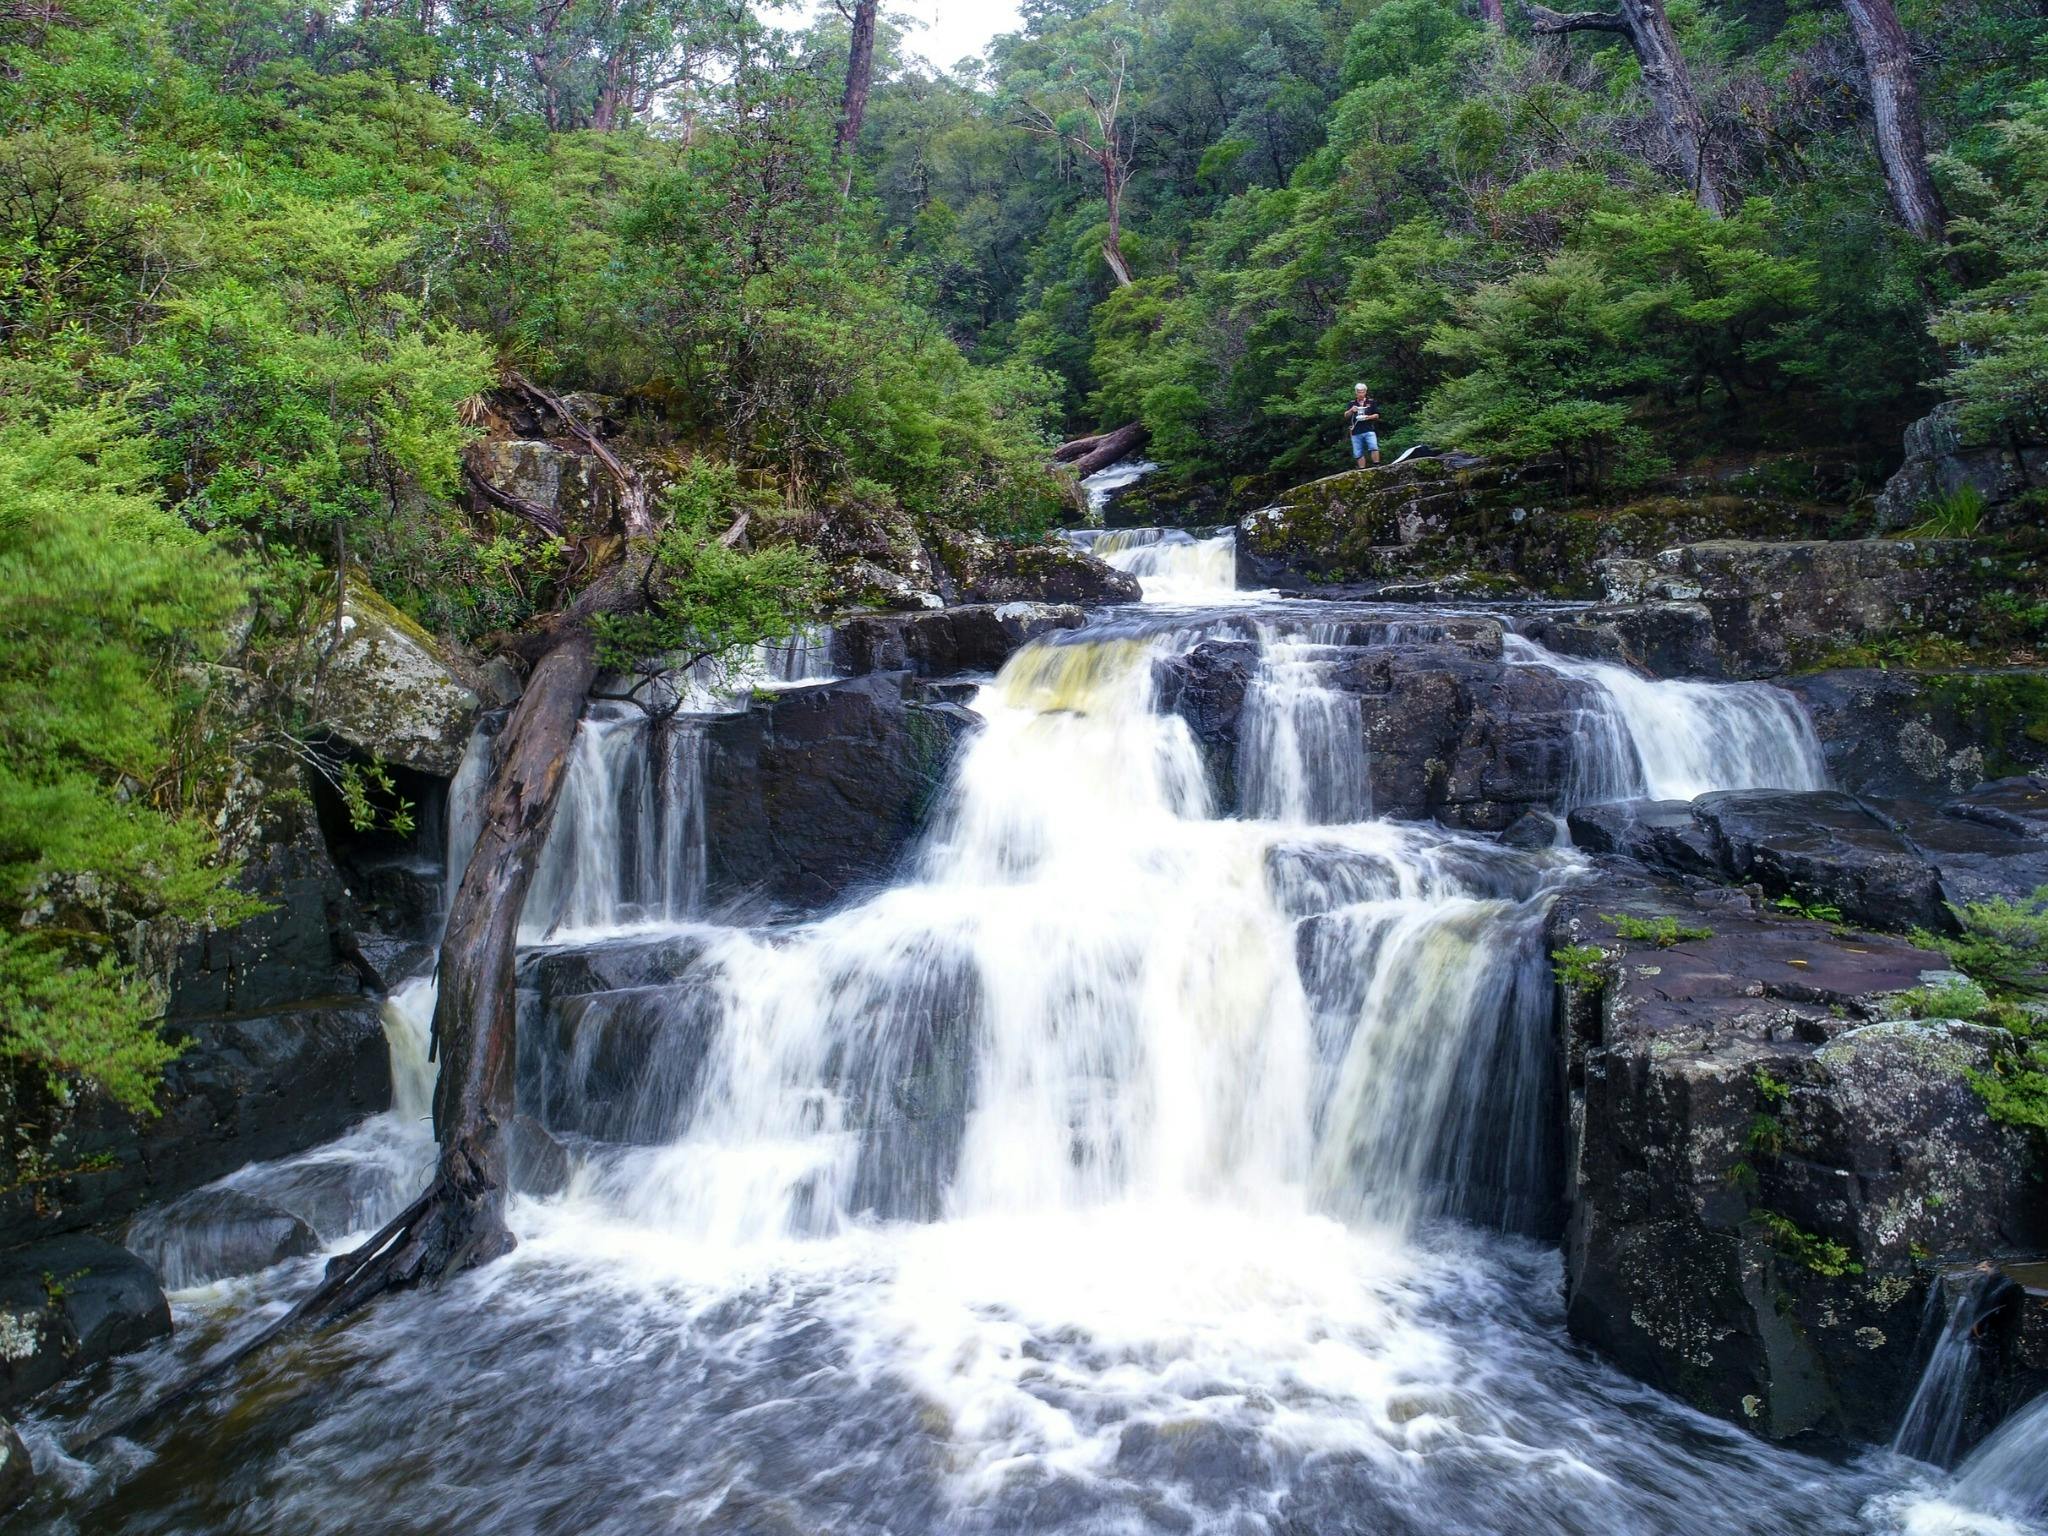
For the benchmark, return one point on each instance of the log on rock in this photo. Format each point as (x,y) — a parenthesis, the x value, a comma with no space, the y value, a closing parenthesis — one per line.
(1103,450)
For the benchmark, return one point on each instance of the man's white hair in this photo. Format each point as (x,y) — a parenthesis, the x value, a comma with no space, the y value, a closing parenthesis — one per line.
(1358,386)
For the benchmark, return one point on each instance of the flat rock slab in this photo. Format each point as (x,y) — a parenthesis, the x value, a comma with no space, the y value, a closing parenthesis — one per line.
(68,1303)
(975,637)
(1894,864)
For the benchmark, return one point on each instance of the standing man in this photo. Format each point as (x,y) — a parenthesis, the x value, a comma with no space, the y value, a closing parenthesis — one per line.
(1362,420)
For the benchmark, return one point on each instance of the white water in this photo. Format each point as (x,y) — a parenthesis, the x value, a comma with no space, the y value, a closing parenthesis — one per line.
(1931,1428)
(1173,566)
(1125,1169)
(2000,1490)
(1677,740)
(1105,483)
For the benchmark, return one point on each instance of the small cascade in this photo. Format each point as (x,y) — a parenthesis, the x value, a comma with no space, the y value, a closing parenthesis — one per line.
(1302,750)
(805,656)
(627,847)
(1172,566)
(408,1017)
(1643,738)
(1102,486)
(2007,1476)
(1932,1426)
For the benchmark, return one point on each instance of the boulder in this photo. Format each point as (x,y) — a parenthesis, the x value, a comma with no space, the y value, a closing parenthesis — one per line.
(68,1303)
(388,689)
(1889,732)
(981,569)
(812,793)
(1777,607)
(567,481)
(1942,462)
(216,1234)
(1762,1158)
(247,1088)
(1206,687)
(976,637)
(17,1472)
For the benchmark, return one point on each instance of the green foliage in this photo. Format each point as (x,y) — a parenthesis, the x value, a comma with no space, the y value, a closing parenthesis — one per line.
(1664,932)
(1580,965)
(110,609)
(1815,911)
(710,599)
(1955,515)
(1822,1255)
(1998,329)
(1776,1091)
(2003,949)
(371,798)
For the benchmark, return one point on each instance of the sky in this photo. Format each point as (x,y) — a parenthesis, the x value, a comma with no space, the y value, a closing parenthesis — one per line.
(953,28)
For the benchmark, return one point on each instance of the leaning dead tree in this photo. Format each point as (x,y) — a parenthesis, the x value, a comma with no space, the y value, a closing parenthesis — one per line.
(1099,139)
(458,1221)
(1665,78)
(1895,106)
(860,77)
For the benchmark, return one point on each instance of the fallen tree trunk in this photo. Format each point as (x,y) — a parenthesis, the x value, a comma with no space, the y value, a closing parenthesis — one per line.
(1105,449)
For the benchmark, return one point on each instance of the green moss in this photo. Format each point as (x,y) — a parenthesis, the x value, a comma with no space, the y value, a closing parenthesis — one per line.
(1822,1255)
(1664,932)
(1581,965)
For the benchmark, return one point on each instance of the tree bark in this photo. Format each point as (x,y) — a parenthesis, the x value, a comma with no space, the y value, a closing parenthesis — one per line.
(860,76)
(1895,104)
(1493,14)
(1665,78)
(1107,449)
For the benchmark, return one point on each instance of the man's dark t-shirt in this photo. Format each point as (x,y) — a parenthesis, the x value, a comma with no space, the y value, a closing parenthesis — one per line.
(1359,415)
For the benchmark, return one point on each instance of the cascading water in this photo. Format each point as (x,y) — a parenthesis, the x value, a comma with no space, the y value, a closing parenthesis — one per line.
(1665,740)
(1172,566)
(1102,486)
(1932,1426)
(1127,1167)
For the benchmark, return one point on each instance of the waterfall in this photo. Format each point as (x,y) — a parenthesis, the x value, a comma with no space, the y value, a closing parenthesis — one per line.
(1171,566)
(1643,738)
(1301,750)
(2007,1475)
(1931,1428)
(627,847)
(1094,991)
(1103,485)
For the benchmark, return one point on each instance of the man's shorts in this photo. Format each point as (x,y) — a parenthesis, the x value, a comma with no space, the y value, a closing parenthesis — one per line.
(1363,443)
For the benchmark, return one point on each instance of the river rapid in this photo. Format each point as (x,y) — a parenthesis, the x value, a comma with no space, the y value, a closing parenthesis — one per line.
(1123,1167)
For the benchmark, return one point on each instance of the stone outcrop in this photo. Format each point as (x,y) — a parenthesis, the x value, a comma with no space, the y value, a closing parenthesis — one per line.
(249,1087)
(812,793)
(1494,526)
(68,1303)
(1892,865)
(17,1473)
(973,637)
(388,690)
(1926,733)
(979,569)
(1764,1158)
(216,1234)
(1773,608)
(1941,463)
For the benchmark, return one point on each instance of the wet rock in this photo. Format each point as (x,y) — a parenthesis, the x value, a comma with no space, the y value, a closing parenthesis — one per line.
(1893,864)
(624,1066)
(1824,847)
(539,1162)
(817,791)
(17,1473)
(1761,1157)
(1206,686)
(216,1234)
(68,1303)
(971,638)
(247,1088)
(1531,830)
(1941,462)
(981,569)
(388,689)
(1926,733)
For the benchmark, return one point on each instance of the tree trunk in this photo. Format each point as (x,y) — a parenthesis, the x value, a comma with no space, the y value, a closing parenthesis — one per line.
(1895,103)
(1113,190)
(1492,12)
(1108,448)
(860,74)
(1665,78)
